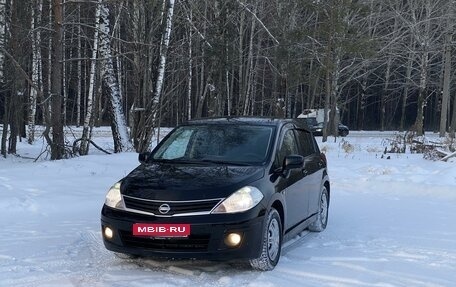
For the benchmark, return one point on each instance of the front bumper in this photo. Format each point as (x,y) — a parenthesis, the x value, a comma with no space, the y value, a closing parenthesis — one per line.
(206,240)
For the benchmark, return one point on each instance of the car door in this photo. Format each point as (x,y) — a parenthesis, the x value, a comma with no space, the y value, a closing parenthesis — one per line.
(313,172)
(293,187)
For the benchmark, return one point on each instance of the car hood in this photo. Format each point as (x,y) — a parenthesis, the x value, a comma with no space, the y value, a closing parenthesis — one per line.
(161,181)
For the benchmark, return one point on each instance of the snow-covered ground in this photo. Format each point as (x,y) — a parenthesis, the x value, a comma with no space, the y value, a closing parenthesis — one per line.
(392,223)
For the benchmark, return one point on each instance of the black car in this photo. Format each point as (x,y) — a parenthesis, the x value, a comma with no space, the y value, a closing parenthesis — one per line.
(318,129)
(220,189)
(310,121)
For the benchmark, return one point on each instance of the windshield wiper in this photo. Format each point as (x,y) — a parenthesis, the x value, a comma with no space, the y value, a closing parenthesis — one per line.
(176,160)
(198,161)
(223,162)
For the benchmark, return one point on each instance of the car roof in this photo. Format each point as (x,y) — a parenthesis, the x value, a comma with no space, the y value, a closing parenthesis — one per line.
(264,121)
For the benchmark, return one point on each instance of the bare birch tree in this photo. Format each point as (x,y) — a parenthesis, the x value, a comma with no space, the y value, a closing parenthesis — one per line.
(152,109)
(424,63)
(88,119)
(36,68)
(118,123)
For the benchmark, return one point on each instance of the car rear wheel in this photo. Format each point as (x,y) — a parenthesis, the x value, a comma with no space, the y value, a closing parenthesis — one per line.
(271,243)
(322,217)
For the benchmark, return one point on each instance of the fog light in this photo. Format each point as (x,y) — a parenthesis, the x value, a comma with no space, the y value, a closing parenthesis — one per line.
(233,239)
(108,233)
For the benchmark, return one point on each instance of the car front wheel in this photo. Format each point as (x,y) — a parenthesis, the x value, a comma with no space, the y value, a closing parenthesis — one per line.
(271,243)
(322,217)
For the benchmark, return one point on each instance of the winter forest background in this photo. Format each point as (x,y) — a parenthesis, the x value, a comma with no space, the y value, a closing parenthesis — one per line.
(140,64)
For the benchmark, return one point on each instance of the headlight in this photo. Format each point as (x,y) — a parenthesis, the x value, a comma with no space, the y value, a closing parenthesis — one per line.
(114,198)
(242,200)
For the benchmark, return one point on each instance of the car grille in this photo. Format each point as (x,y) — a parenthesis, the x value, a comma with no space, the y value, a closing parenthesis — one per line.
(191,243)
(176,207)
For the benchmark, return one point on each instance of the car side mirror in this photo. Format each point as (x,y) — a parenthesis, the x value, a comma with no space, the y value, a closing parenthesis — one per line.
(143,157)
(292,162)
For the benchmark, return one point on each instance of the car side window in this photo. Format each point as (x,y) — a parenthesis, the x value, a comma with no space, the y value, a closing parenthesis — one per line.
(287,147)
(306,142)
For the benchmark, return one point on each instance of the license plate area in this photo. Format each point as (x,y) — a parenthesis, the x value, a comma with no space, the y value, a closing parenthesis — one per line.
(161,230)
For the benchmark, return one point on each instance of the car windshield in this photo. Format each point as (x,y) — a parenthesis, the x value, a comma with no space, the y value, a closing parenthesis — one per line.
(225,144)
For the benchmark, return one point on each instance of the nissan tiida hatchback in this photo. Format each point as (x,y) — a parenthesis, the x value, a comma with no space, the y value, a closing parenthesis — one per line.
(221,189)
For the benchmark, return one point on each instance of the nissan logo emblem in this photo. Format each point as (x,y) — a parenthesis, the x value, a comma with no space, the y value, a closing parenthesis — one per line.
(164,208)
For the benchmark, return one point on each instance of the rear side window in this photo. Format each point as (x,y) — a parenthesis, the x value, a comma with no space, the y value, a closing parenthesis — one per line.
(306,143)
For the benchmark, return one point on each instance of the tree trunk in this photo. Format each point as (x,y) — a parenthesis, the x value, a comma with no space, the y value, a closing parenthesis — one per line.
(327,106)
(5,125)
(79,72)
(452,129)
(88,120)
(2,38)
(14,119)
(333,112)
(424,63)
(49,70)
(202,75)
(408,75)
(118,123)
(263,87)
(229,90)
(201,99)
(137,109)
(250,69)
(190,68)
(145,136)
(3,29)
(421,102)
(36,69)
(362,102)
(58,140)
(240,64)
(64,71)
(446,87)
(385,94)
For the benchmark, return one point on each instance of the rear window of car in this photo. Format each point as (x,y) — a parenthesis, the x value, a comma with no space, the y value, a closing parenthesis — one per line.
(306,142)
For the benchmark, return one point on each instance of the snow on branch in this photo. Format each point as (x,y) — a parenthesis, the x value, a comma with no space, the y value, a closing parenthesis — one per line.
(445,158)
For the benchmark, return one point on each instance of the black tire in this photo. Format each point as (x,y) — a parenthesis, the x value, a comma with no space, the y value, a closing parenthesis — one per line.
(271,243)
(322,217)
(344,133)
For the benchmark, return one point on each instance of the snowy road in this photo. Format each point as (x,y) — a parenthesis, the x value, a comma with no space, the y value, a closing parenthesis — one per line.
(392,223)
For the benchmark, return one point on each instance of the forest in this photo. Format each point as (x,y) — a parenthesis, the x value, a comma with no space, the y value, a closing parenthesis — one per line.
(137,65)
